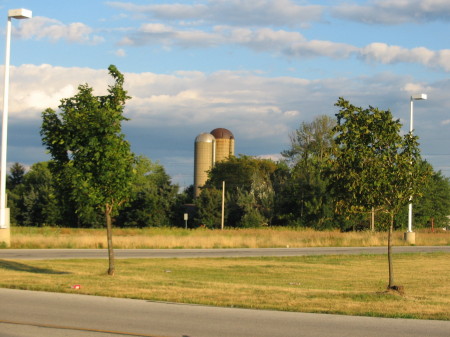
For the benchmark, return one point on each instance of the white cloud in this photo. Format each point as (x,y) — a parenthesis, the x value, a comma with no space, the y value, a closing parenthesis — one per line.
(35,88)
(394,12)
(155,33)
(120,52)
(412,88)
(167,111)
(245,100)
(273,156)
(250,24)
(383,53)
(231,12)
(290,44)
(45,28)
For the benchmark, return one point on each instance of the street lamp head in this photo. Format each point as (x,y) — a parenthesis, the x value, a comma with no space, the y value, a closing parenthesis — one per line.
(20,13)
(419,97)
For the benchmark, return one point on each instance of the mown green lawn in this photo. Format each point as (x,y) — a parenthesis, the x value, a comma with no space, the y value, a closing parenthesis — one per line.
(351,285)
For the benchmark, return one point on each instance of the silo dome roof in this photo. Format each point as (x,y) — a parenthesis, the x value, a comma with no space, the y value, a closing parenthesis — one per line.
(221,133)
(205,138)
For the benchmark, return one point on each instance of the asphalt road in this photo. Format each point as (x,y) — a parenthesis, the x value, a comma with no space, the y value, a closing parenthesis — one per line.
(46,254)
(38,314)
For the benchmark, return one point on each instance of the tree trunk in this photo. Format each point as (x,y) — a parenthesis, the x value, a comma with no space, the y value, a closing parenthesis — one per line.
(108,211)
(391,268)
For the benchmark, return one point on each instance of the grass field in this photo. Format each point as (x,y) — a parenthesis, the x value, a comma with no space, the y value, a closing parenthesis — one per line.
(47,237)
(352,285)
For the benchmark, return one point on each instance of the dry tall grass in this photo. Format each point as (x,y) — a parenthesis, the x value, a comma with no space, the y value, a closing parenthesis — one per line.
(32,237)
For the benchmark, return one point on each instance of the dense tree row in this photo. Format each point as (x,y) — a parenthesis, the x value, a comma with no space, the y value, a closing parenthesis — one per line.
(333,175)
(35,200)
(258,192)
(312,188)
(292,192)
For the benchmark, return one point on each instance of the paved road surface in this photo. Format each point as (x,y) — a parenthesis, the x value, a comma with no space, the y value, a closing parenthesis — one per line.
(38,314)
(44,254)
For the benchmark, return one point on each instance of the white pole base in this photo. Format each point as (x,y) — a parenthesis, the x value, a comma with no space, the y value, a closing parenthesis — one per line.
(410,237)
(5,233)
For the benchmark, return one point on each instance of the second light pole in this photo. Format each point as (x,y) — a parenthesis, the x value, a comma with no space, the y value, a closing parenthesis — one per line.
(410,236)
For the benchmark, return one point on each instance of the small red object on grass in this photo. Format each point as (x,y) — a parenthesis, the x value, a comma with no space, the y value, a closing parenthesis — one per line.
(76,286)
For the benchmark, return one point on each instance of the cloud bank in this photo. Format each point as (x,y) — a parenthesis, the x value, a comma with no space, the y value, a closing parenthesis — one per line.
(45,28)
(274,27)
(394,12)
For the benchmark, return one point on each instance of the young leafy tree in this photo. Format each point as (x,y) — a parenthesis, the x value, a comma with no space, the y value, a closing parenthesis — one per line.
(89,151)
(374,166)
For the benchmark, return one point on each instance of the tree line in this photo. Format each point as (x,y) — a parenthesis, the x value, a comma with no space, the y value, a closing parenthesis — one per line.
(333,175)
(311,187)
(291,192)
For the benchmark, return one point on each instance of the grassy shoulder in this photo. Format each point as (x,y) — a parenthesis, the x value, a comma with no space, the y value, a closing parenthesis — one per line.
(48,237)
(351,285)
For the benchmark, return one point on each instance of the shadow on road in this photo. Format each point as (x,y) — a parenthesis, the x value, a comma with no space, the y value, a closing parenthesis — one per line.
(4,264)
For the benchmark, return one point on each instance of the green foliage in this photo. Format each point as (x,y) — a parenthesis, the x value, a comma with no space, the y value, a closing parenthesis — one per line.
(32,196)
(432,205)
(249,190)
(209,207)
(241,172)
(374,166)
(153,197)
(311,142)
(434,202)
(302,197)
(184,203)
(90,156)
(16,176)
(251,210)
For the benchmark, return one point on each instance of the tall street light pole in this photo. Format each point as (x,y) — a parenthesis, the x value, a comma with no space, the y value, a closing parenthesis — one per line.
(4,215)
(409,235)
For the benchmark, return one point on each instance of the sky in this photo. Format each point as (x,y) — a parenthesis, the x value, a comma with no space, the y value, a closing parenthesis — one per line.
(256,67)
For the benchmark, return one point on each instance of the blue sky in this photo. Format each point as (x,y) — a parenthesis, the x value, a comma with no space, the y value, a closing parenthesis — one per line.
(256,67)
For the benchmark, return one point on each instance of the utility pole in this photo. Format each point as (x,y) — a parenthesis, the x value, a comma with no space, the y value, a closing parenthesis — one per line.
(372,220)
(223,205)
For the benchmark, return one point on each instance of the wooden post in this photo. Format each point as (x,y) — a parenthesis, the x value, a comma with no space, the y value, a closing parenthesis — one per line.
(223,205)
(372,220)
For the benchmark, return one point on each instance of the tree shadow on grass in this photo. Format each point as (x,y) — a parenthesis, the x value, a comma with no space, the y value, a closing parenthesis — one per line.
(11,265)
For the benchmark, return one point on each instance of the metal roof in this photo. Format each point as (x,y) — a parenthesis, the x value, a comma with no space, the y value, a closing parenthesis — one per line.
(205,138)
(221,133)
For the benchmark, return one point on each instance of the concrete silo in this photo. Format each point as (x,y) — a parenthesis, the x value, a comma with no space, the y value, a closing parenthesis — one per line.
(224,143)
(204,158)
(209,149)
